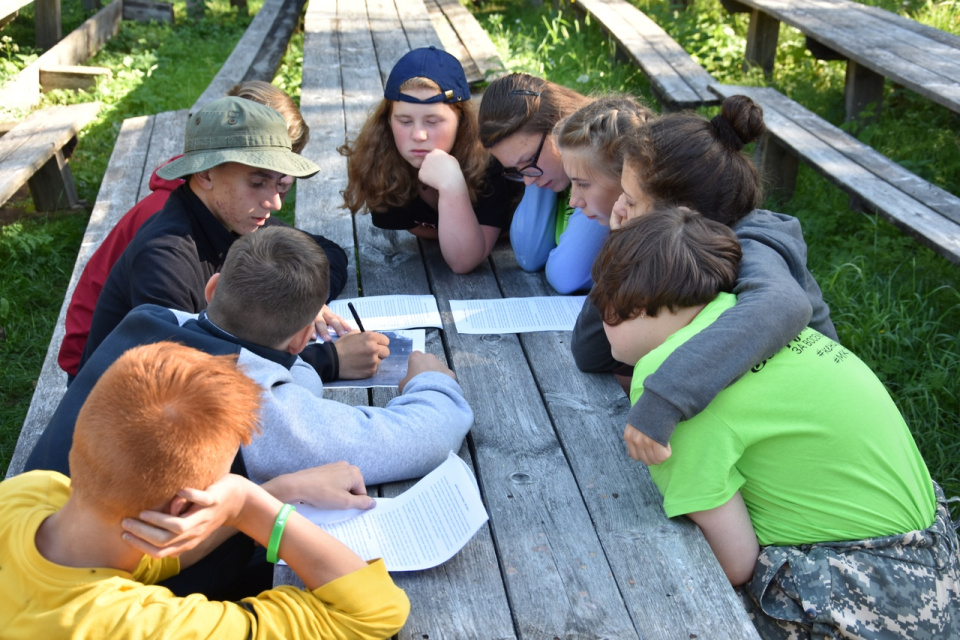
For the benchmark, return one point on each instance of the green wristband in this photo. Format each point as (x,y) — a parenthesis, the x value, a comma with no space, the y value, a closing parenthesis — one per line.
(274,546)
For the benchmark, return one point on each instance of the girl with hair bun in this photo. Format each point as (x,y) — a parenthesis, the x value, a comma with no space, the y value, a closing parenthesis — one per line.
(517,119)
(685,160)
(418,165)
(591,143)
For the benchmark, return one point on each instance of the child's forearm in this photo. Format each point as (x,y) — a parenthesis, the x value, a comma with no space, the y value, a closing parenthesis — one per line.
(311,552)
(463,243)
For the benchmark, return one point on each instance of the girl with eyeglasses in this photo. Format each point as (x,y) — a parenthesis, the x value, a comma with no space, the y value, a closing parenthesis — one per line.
(418,163)
(517,118)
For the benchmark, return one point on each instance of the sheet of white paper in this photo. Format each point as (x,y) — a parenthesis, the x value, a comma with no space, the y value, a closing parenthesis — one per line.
(393,368)
(385,313)
(323,517)
(422,527)
(516,315)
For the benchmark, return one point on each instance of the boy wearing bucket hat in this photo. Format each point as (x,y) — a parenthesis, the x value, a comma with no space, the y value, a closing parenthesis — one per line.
(418,163)
(238,164)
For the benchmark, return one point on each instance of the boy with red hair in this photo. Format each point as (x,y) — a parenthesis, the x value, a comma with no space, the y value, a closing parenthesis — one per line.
(149,467)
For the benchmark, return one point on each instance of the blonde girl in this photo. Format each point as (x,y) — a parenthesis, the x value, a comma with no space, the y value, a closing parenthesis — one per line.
(591,145)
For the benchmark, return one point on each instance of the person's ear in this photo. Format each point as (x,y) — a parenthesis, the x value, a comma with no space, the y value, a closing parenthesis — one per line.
(211,287)
(204,179)
(300,339)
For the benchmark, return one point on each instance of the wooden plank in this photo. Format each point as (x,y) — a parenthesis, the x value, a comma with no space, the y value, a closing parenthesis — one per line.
(389,39)
(71,77)
(23,90)
(165,142)
(695,76)
(47,22)
(941,201)
(147,10)
(244,54)
(267,61)
(664,568)
(648,54)
(557,577)
(118,192)
(482,51)
(28,146)
(10,7)
(451,42)
(907,213)
(418,27)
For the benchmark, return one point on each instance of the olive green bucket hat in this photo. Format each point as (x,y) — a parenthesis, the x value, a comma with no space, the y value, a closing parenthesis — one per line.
(233,129)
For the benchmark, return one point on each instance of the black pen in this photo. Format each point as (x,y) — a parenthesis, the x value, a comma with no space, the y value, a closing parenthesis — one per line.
(356,316)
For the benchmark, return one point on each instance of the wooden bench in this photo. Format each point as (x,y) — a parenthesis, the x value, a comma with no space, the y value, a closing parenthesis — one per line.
(578,545)
(464,38)
(876,44)
(676,79)
(35,152)
(876,183)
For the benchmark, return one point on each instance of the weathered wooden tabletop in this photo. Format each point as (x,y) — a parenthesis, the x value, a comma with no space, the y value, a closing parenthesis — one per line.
(577,545)
(878,44)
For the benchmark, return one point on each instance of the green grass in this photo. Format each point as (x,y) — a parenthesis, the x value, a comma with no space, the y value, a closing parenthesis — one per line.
(894,302)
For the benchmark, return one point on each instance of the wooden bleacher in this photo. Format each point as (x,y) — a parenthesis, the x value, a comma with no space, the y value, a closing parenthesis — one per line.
(874,182)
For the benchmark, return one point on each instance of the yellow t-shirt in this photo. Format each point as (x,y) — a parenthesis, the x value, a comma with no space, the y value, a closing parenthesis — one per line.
(40,599)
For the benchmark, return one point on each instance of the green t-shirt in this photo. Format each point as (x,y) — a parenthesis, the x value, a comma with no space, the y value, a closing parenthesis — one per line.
(810,438)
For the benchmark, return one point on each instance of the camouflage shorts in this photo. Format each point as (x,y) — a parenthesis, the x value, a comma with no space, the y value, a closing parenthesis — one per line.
(901,586)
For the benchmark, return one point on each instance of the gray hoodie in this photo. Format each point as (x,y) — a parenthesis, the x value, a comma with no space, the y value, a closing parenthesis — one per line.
(777,298)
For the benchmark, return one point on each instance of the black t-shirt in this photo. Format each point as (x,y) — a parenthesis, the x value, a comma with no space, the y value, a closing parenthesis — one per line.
(494,207)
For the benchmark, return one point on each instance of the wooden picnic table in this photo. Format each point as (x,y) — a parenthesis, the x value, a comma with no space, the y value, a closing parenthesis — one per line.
(577,545)
(876,43)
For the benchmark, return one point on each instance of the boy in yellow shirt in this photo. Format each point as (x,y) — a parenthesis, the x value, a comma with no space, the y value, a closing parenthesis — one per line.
(163,421)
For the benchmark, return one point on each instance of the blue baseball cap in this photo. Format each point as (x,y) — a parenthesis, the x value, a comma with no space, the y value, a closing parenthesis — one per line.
(434,64)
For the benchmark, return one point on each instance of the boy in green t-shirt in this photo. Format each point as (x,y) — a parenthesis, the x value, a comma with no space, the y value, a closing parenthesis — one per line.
(802,474)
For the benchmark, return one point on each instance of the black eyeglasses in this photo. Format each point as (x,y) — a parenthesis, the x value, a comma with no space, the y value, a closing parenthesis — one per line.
(529,171)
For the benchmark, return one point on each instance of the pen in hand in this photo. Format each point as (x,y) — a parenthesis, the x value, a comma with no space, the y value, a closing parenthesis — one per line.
(356,316)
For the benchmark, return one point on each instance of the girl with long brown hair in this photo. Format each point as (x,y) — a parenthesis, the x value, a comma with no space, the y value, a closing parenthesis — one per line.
(417,164)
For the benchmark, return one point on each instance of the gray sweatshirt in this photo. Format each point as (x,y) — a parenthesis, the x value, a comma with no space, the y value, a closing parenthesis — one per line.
(777,298)
(407,438)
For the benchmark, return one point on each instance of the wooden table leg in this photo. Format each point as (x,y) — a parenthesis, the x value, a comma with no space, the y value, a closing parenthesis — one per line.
(863,87)
(762,38)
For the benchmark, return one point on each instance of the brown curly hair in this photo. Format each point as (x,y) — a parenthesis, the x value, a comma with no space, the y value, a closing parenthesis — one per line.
(378,178)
